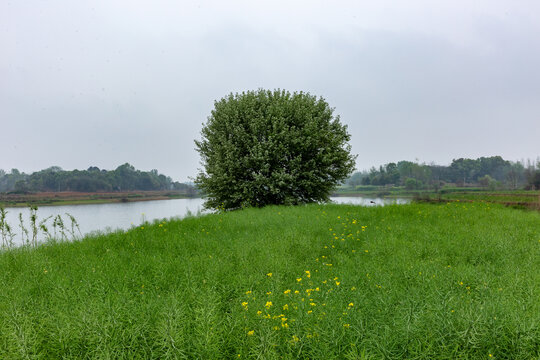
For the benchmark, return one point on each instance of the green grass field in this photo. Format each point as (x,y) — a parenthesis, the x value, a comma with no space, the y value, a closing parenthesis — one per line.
(419,281)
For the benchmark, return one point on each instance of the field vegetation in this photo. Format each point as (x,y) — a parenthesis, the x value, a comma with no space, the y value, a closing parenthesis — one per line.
(421,281)
(513,198)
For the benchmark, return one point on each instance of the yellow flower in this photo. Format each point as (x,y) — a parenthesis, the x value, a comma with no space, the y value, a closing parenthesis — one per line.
(351,305)
(250,333)
(269,274)
(269,293)
(245,305)
(283,319)
(347,325)
(287,291)
(268,304)
(312,304)
(248,292)
(285,307)
(285,325)
(299,279)
(296,292)
(309,311)
(295,338)
(337,283)
(308,274)
(259,312)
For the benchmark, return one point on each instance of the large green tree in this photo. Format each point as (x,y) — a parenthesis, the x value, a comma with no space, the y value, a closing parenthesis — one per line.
(272,147)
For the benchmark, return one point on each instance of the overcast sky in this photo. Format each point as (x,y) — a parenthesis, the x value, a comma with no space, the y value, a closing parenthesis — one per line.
(101,83)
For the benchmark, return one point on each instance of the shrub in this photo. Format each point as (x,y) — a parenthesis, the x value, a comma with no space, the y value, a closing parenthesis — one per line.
(272,147)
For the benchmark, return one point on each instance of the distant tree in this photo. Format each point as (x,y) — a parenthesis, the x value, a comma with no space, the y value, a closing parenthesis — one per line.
(532,174)
(485,181)
(272,147)
(515,174)
(411,184)
(356,179)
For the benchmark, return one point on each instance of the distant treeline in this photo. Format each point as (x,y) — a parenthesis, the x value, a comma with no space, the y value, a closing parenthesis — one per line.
(489,172)
(123,178)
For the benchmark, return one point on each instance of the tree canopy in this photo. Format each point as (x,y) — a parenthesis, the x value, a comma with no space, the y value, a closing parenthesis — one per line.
(124,178)
(489,172)
(272,147)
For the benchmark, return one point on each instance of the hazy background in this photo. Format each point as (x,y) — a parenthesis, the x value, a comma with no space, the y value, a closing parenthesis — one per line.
(103,83)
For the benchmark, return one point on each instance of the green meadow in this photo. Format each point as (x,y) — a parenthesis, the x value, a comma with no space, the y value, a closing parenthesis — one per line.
(418,281)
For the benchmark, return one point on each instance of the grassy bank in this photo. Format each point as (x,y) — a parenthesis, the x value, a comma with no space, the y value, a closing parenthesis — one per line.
(423,281)
(77,198)
(516,198)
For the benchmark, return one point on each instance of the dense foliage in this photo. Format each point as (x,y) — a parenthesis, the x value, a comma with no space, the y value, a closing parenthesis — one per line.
(488,172)
(123,178)
(272,147)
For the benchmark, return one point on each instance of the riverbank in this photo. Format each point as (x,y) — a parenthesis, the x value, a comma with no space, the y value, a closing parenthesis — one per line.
(458,280)
(526,199)
(76,198)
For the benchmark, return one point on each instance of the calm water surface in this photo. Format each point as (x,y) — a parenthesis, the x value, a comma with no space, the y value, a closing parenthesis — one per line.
(122,216)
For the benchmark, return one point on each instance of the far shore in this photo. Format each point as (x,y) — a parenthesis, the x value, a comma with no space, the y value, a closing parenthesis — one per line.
(79,198)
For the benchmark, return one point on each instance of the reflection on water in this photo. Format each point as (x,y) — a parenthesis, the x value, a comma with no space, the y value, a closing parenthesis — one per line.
(110,217)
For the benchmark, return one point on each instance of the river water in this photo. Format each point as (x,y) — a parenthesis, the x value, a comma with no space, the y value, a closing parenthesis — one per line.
(114,216)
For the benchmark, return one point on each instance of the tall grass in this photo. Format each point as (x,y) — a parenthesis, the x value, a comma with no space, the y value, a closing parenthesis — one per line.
(420,281)
(29,235)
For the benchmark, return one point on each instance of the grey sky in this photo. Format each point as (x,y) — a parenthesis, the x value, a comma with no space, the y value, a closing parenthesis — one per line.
(101,83)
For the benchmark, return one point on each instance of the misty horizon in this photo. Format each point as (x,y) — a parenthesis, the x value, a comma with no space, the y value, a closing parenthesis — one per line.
(102,84)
